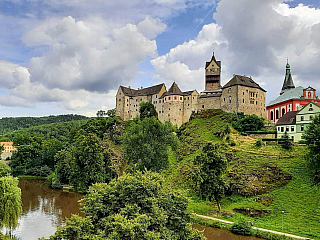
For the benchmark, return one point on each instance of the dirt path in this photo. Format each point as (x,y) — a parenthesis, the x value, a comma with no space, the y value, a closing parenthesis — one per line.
(261,229)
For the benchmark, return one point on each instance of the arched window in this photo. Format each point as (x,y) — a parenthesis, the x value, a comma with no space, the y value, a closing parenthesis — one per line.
(309,94)
(277,114)
(271,115)
(283,111)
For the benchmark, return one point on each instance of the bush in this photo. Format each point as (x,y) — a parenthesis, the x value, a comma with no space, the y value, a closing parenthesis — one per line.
(259,143)
(232,143)
(53,181)
(248,123)
(227,138)
(241,227)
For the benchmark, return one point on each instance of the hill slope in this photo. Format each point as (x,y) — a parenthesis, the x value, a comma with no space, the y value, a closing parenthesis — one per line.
(262,181)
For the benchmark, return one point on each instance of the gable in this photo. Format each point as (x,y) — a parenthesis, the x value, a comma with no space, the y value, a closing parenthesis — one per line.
(309,108)
(212,64)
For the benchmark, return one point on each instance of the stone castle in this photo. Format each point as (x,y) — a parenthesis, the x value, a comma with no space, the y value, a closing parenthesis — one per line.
(240,94)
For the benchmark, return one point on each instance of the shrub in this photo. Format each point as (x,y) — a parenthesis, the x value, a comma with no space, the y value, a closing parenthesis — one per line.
(241,227)
(232,143)
(259,143)
(227,138)
(53,181)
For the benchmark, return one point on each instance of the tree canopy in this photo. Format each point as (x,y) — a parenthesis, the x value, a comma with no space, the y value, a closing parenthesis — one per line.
(212,166)
(146,142)
(312,137)
(10,199)
(136,207)
(244,123)
(147,110)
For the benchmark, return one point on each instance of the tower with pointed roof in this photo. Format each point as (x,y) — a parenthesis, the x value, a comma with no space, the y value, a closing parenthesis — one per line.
(288,82)
(213,72)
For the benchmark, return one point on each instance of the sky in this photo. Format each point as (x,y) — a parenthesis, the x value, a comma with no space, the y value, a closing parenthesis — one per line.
(71,56)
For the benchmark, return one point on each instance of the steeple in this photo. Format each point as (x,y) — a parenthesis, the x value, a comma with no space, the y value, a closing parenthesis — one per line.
(213,71)
(288,82)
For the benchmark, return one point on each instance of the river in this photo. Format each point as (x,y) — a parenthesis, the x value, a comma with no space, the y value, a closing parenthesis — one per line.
(44,209)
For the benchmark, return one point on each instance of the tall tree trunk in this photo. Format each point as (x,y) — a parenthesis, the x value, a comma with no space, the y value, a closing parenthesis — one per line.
(218,204)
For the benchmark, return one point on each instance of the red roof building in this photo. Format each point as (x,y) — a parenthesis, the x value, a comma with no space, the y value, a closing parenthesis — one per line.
(291,98)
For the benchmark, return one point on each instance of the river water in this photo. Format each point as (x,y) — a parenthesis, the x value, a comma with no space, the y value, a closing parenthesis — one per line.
(44,209)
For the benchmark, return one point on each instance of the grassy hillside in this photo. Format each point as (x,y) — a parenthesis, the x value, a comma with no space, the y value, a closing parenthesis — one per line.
(9,124)
(262,181)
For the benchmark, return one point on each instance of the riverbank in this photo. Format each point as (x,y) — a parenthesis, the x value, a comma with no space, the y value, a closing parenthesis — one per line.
(257,232)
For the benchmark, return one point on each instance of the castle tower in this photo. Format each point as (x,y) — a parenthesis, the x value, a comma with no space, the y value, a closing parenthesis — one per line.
(288,82)
(213,70)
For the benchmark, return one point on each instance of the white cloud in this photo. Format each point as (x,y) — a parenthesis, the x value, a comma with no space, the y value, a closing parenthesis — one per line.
(253,39)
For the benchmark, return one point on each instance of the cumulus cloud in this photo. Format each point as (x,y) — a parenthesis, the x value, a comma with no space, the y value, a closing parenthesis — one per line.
(81,62)
(251,38)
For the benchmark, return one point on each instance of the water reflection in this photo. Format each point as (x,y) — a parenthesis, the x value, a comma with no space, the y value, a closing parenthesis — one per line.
(221,234)
(43,209)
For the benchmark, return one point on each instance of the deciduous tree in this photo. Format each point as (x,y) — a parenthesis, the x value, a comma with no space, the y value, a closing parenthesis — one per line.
(147,110)
(135,207)
(146,143)
(212,166)
(312,138)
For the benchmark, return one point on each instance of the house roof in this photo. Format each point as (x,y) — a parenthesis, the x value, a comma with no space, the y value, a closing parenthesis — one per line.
(310,89)
(295,93)
(173,90)
(287,119)
(244,81)
(142,92)
(213,59)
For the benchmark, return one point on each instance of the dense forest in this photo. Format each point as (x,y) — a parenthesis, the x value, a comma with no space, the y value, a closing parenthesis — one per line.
(8,124)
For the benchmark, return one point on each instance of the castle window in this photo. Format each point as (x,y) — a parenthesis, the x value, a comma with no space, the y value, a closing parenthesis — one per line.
(169,98)
(156,96)
(136,99)
(202,106)
(119,99)
(224,99)
(246,90)
(292,128)
(229,99)
(180,109)
(256,102)
(169,109)
(180,98)
(159,111)
(168,115)
(251,102)
(242,93)
(188,98)
(127,105)
(165,98)
(243,100)
(193,98)
(140,99)
(136,109)
(175,98)
(229,90)
(127,100)
(188,104)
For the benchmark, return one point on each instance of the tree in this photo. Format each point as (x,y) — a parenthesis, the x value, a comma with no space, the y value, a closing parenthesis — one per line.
(10,200)
(111,112)
(147,110)
(101,113)
(312,137)
(212,166)
(244,123)
(136,207)
(146,142)
(4,169)
(285,141)
(87,165)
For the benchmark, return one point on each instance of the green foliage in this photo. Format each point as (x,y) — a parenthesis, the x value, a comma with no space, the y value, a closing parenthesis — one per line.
(244,123)
(146,143)
(137,207)
(8,124)
(10,202)
(241,227)
(258,143)
(87,165)
(285,142)
(53,181)
(312,139)
(111,112)
(212,166)
(147,110)
(5,170)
